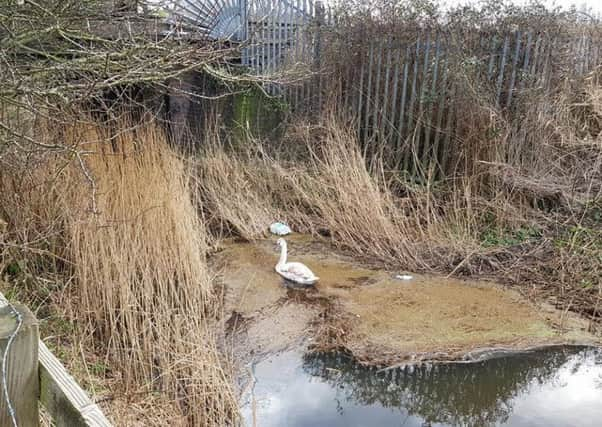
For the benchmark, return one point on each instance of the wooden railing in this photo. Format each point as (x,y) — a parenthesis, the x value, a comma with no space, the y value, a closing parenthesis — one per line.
(30,374)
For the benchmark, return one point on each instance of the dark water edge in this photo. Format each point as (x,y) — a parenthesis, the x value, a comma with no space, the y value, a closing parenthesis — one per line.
(552,387)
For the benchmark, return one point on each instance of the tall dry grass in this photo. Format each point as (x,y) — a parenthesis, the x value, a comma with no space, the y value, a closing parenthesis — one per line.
(329,189)
(525,174)
(238,189)
(357,204)
(135,246)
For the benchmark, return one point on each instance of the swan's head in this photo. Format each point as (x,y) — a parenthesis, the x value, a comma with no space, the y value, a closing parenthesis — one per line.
(281,242)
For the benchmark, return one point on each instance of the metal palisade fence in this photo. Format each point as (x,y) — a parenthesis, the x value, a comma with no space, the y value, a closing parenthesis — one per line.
(402,87)
(403,90)
(399,84)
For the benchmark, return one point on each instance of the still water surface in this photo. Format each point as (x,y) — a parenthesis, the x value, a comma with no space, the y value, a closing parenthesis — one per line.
(552,388)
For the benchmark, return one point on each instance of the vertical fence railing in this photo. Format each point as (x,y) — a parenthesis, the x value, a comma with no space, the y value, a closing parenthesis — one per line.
(401,89)
(285,34)
(402,94)
(276,38)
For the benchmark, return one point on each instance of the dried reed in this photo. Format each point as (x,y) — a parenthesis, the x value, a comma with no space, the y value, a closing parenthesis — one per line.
(142,294)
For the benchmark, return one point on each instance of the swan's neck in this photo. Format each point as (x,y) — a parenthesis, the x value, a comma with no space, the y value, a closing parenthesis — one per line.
(282,259)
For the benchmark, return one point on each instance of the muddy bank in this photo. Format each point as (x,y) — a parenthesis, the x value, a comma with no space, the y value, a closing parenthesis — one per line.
(375,316)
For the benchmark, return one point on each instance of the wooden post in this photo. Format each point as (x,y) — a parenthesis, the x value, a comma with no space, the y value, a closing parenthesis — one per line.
(407,160)
(20,374)
(500,79)
(404,91)
(47,381)
(377,96)
(514,65)
(63,398)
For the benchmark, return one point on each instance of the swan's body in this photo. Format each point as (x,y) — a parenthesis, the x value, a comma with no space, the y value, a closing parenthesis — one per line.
(294,271)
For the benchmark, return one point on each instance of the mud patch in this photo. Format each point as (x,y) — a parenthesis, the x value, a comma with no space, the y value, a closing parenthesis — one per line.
(379,319)
(285,327)
(436,318)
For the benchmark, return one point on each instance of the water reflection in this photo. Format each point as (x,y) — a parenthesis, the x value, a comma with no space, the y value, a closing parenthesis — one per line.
(552,387)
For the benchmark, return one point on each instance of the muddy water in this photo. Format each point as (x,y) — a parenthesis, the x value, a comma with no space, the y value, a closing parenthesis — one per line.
(380,319)
(383,321)
(559,386)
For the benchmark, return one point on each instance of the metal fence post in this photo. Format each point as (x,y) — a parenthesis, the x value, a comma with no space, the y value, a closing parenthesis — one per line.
(319,9)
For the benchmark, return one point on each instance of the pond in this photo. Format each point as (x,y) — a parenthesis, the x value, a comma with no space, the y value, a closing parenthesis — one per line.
(555,386)
(374,315)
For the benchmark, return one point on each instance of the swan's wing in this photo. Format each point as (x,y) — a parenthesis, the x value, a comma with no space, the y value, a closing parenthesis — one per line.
(298,270)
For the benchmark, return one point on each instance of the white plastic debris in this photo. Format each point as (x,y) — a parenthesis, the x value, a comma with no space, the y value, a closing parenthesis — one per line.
(280,229)
(404,277)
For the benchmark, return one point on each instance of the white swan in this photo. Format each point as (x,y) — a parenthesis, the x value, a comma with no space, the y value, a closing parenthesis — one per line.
(293,271)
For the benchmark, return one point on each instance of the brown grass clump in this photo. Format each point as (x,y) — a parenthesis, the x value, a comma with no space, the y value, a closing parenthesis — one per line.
(330,189)
(135,246)
(521,200)
(355,204)
(237,193)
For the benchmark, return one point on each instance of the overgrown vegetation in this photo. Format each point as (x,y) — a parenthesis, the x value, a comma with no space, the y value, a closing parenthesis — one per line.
(105,229)
(520,196)
(535,223)
(128,262)
(100,230)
